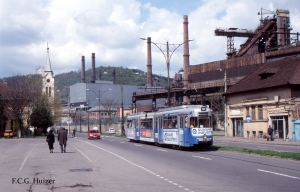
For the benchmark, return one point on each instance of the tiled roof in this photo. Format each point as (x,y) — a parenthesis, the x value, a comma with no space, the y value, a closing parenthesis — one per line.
(270,74)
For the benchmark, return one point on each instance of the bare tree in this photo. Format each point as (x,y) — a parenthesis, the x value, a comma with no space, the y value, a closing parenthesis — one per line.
(109,106)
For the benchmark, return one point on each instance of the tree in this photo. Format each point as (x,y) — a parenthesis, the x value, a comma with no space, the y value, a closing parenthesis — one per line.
(19,92)
(3,117)
(41,115)
(109,106)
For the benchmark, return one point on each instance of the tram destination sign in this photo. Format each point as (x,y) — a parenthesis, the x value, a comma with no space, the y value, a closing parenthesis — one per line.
(203,114)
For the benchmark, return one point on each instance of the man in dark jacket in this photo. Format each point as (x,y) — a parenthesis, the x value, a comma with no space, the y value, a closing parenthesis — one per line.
(270,133)
(62,139)
(50,140)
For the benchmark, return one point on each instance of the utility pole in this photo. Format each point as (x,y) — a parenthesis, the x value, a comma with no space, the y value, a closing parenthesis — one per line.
(123,130)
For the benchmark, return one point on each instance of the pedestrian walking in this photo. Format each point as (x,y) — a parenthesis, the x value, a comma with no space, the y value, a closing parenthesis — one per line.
(270,133)
(62,139)
(50,139)
(74,132)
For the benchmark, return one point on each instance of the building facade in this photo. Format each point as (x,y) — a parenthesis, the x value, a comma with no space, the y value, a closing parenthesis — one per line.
(269,96)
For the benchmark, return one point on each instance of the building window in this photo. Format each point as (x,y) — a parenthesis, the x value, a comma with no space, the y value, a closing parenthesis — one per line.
(253,117)
(49,92)
(260,112)
(247,111)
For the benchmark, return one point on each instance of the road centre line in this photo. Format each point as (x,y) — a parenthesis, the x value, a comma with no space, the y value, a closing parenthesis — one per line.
(278,174)
(112,153)
(162,150)
(202,157)
(26,158)
(82,153)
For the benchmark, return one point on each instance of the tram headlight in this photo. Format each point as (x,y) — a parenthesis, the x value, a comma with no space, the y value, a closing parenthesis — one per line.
(204,137)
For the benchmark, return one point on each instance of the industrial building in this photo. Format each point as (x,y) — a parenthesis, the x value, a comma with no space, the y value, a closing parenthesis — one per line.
(205,83)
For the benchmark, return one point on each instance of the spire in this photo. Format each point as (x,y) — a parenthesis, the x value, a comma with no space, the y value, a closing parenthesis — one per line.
(48,63)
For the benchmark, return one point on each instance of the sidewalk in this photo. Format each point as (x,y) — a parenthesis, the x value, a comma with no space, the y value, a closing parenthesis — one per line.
(256,140)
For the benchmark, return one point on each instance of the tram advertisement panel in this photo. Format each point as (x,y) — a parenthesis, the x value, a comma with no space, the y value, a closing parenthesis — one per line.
(170,136)
(130,133)
(201,131)
(146,135)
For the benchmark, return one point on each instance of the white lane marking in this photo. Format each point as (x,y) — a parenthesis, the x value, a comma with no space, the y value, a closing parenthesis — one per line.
(137,145)
(162,150)
(278,174)
(112,153)
(265,148)
(201,157)
(82,153)
(26,158)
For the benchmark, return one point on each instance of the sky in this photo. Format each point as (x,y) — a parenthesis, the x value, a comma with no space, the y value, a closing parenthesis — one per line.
(112,30)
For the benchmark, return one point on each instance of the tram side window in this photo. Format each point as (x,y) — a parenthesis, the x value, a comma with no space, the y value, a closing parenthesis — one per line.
(129,124)
(146,123)
(134,124)
(193,122)
(170,122)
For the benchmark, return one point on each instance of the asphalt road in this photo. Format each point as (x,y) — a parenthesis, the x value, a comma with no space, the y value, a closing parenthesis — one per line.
(114,164)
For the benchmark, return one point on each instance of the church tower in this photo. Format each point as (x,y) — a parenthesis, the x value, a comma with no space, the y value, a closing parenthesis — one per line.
(48,77)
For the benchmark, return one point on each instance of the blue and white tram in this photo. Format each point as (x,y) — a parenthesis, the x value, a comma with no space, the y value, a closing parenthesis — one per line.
(184,126)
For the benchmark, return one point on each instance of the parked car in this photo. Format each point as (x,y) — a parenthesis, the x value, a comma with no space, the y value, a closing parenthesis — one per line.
(93,134)
(8,133)
(111,131)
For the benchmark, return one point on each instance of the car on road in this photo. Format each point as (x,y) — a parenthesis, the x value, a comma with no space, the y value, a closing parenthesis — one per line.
(8,133)
(111,131)
(93,134)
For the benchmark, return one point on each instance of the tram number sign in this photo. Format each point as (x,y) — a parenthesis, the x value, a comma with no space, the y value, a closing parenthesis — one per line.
(202,114)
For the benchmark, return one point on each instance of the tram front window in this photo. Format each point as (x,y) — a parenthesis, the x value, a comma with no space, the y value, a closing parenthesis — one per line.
(203,122)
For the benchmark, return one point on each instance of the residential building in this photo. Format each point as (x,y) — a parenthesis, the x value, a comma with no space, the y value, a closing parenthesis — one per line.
(269,95)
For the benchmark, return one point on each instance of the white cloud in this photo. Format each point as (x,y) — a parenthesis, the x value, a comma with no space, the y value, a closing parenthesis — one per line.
(111,29)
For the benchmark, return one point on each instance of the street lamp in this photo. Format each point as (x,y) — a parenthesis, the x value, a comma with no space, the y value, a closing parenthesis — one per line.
(167,56)
(99,96)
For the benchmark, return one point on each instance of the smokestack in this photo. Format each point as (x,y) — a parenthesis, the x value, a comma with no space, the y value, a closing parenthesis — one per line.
(149,62)
(93,68)
(82,69)
(186,55)
(114,76)
(99,75)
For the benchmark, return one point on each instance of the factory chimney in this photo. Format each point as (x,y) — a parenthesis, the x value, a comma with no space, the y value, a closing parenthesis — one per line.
(82,69)
(99,75)
(114,76)
(186,55)
(93,68)
(149,62)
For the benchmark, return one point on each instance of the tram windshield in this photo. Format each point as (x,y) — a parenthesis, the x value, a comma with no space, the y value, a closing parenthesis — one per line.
(199,122)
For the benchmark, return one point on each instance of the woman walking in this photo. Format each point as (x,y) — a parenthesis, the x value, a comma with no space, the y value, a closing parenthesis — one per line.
(50,140)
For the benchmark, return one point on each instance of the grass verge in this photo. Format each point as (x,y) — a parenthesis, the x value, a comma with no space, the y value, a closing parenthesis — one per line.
(285,155)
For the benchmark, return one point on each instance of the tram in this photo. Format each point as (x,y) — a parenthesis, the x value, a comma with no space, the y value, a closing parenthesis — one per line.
(183,126)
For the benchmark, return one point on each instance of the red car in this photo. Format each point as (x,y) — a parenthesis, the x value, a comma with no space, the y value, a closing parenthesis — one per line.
(93,134)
